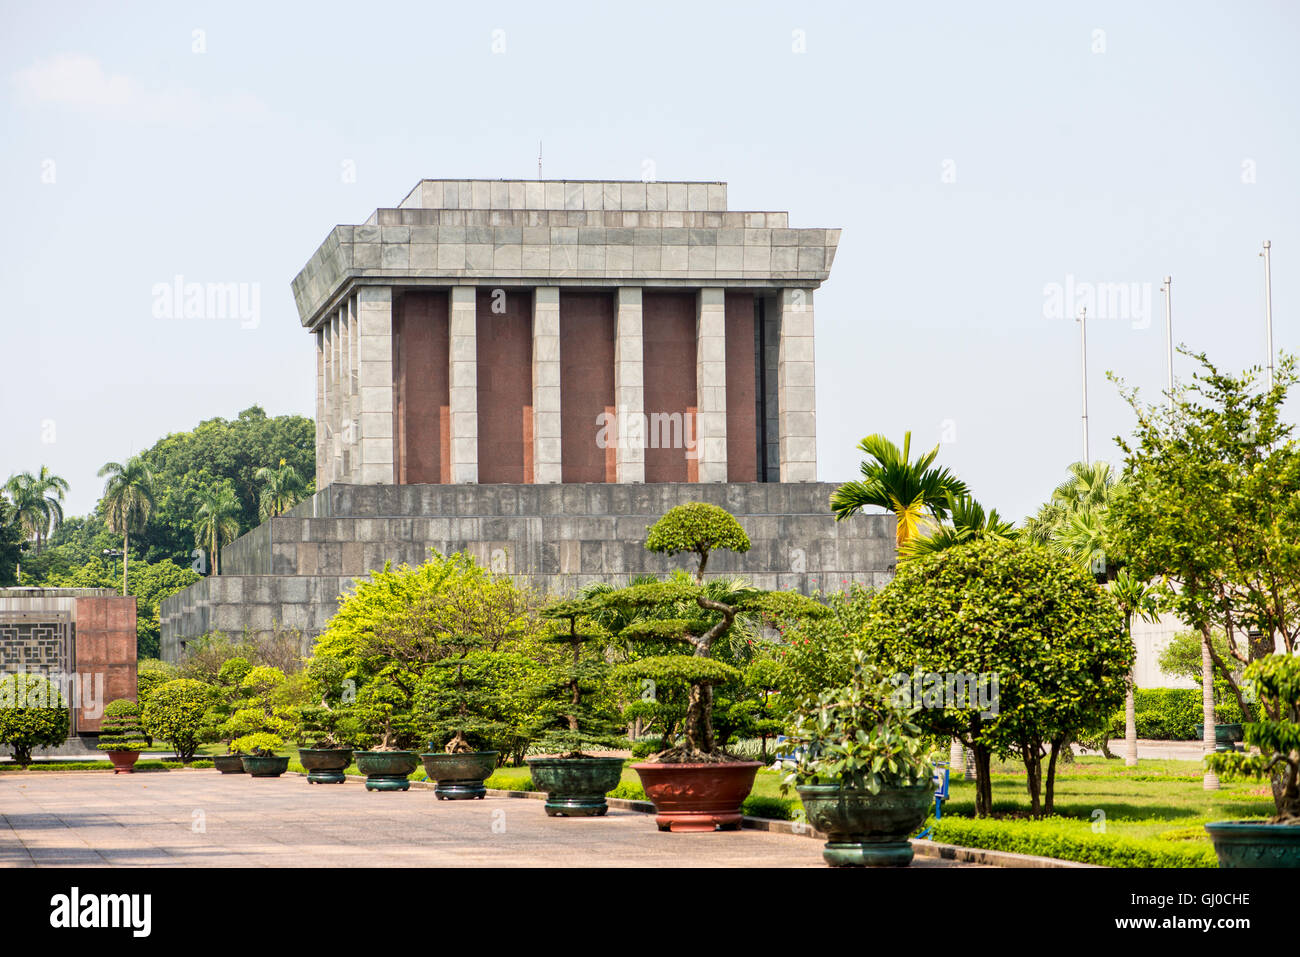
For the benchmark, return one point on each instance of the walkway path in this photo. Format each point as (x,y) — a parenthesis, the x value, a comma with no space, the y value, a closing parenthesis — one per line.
(199,818)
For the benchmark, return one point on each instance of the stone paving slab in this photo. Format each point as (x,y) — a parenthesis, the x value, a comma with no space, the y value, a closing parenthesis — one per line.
(200,818)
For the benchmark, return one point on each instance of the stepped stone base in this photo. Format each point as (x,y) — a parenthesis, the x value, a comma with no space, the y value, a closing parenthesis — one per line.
(290,571)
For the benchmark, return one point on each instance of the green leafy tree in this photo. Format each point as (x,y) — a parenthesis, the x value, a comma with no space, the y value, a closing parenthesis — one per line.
(1275,735)
(968,522)
(1012,612)
(127,503)
(282,489)
(1210,504)
(11,544)
(175,713)
(216,521)
(38,500)
(33,714)
(216,452)
(915,491)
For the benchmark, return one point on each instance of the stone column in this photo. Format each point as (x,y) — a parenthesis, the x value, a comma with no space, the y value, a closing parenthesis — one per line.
(629,385)
(463,380)
(322,473)
(711,385)
(343,394)
(374,446)
(796,391)
(546,385)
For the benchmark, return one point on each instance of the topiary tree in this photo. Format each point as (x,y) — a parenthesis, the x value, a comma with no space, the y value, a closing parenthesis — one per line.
(698,528)
(576,720)
(33,714)
(1011,648)
(121,730)
(174,713)
(694,617)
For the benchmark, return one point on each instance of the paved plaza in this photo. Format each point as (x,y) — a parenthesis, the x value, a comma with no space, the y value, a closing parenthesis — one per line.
(200,818)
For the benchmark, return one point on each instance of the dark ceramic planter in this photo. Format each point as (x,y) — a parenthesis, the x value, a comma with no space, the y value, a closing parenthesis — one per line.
(865,829)
(386,770)
(228,763)
(1255,844)
(325,765)
(1226,736)
(270,766)
(698,797)
(123,761)
(576,787)
(460,777)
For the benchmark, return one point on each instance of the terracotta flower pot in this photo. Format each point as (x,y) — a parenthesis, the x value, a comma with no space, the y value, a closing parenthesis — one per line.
(576,787)
(228,763)
(698,797)
(460,777)
(123,761)
(1255,843)
(325,765)
(865,829)
(386,770)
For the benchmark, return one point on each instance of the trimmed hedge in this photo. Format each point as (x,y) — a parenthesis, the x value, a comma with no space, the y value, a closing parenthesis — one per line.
(1173,714)
(104,766)
(1061,838)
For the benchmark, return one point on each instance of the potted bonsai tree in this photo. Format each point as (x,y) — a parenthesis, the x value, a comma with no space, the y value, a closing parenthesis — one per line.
(227,698)
(260,752)
(453,699)
(121,736)
(576,783)
(695,785)
(861,769)
(383,709)
(322,729)
(1275,843)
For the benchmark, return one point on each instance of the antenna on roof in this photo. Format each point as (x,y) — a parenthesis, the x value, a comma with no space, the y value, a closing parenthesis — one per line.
(539,159)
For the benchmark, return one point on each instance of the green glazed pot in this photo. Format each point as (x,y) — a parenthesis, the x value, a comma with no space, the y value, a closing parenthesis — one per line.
(1255,844)
(1226,736)
(265,767)
(460,777)
(865,829)
(386,770)
(576,787)
(325,765)
(228,763)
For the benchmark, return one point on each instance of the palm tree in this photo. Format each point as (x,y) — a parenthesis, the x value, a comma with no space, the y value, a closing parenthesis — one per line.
(127,502)
(914,491)
(283,490)
(1087,489)
(38,500)
(1134,597)
(969,522)
(216,521)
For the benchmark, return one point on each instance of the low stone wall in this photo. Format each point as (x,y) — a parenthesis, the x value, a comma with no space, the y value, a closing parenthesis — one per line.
(290,571)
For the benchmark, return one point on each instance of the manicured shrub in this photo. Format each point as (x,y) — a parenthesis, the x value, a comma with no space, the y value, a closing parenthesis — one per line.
(1174,714)
(628,791)
(120,730)
(32,715)
(174,713)
(772,808)
(1060,838)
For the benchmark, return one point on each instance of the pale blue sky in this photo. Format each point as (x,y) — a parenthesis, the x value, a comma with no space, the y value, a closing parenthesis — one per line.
(1112,157)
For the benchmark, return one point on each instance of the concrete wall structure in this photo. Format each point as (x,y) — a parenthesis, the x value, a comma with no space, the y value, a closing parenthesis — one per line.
(78,637)
(289,572)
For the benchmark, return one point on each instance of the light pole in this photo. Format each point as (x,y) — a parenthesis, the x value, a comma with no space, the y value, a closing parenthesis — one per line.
(1167,289)
(110,554)
(1083,353)
(1268,304)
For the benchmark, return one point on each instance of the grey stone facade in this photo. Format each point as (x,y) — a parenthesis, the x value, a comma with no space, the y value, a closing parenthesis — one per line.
(290,571)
